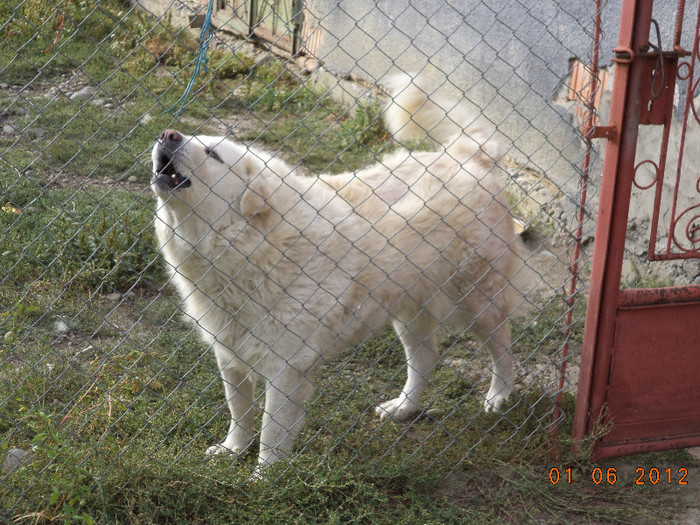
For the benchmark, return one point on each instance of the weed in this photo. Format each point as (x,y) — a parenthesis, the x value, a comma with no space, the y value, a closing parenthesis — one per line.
(641,277)
(68,488)
(113,247)
(15,319)
(328,138)
(104,252)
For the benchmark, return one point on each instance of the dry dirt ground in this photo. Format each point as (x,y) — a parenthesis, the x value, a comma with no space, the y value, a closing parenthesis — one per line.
(689,509)
(690,515)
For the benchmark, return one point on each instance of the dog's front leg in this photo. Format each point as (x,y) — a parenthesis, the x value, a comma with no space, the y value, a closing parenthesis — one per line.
(238,386)
(283,418)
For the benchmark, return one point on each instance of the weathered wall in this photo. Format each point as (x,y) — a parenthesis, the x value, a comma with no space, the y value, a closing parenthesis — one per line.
(509,60)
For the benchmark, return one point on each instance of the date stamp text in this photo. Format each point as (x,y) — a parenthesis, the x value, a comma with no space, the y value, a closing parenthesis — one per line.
(609,476)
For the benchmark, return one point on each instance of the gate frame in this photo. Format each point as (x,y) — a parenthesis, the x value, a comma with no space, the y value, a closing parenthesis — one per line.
(254,21)
(609,307)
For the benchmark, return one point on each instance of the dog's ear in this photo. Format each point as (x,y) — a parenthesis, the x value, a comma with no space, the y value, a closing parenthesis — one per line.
(253,200)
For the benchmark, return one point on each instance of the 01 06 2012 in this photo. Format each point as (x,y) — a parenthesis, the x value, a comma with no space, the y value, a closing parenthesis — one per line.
(609,476)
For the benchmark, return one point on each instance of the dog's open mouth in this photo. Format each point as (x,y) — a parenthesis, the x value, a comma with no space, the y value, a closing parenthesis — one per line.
(166,176)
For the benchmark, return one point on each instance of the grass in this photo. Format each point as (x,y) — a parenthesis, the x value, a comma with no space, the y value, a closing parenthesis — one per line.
(112,392)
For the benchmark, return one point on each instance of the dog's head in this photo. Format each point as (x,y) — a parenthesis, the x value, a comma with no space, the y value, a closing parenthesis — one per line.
(208,174)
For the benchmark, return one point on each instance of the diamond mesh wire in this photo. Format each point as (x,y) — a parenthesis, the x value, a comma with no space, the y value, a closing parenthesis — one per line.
(102,373)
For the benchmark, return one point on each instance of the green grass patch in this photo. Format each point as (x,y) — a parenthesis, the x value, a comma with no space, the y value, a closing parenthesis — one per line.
(89,238)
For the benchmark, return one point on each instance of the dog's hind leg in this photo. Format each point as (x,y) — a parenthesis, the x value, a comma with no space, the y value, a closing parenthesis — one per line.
(283,418)
(492,327)
(417,338)
(238,386)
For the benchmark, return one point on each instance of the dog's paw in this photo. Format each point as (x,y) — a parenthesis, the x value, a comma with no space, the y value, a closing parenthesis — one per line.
(258,474)
(220,450)
(399,408)
(494,404)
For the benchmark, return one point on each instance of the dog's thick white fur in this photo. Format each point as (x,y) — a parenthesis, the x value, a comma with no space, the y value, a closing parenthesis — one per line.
(278,270)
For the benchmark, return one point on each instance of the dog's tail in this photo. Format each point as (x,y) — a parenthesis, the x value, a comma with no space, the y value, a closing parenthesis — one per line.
(414,115)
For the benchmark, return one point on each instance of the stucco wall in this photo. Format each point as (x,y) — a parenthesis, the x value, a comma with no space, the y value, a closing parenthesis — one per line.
(508,60)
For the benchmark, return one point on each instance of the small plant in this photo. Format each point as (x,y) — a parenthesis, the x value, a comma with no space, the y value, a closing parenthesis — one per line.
(227,65)
(61,471)
(14,319)
(641,277)
(105,252)
(364,124)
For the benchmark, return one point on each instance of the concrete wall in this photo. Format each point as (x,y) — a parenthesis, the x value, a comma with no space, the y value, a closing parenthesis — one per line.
(510,61)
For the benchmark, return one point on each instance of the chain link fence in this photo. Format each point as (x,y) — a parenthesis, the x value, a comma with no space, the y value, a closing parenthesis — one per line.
(107,387)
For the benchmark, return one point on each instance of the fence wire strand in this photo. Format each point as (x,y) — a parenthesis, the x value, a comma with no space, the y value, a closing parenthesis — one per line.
(107,374)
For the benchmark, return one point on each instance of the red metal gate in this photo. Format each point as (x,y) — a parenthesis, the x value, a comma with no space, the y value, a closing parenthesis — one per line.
(640,364)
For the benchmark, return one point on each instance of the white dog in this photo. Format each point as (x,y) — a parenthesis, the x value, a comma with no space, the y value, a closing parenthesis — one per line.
(278,270)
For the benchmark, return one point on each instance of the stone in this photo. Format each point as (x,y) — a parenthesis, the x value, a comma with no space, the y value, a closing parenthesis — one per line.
(60,327)
(84,94)
(14,457)
(310,65)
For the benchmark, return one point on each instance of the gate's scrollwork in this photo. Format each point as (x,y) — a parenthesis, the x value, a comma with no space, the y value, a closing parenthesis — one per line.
(682,234)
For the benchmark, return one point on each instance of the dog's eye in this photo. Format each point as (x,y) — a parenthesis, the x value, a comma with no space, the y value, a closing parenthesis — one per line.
(213,154)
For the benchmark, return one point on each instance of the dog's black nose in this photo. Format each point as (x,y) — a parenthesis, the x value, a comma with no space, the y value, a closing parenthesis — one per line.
(170,136)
